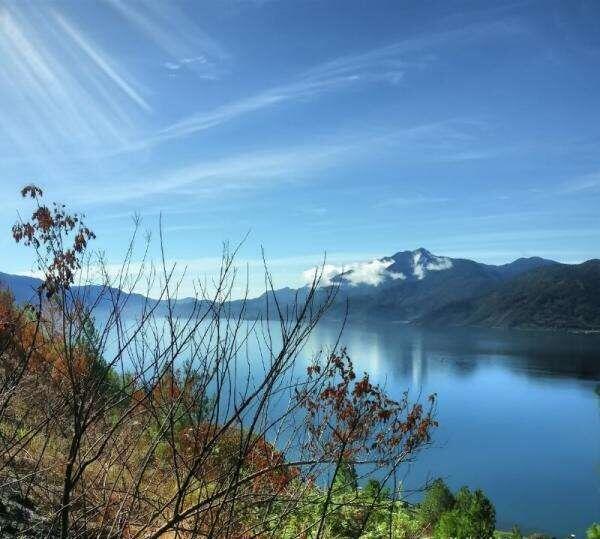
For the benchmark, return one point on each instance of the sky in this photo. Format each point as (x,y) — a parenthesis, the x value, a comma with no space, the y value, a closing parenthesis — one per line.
(347,128)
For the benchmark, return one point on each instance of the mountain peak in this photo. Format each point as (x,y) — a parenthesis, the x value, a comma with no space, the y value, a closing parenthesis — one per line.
(418,263)
(422,251)
(524,264)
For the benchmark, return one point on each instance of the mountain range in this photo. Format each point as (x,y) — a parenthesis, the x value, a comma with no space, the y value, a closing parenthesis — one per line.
(419,287)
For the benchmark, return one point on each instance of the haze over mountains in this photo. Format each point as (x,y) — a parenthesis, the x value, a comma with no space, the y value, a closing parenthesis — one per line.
(420,287)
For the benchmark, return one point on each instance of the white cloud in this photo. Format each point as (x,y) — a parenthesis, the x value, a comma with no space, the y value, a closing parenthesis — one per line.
(259,169)
(387,64)
(176,65)
(189,272)
(269,98)
(405,202)
(101,62)
(585,183)
(220,176)
(173,66)
(176,35)
(432,263)
(439,263)
(64,96)
(60,93)
(372,272)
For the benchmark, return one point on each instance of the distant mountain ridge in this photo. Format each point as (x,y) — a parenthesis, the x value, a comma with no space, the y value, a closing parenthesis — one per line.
(23,288)
(420,287)
(417,283)
(560,296)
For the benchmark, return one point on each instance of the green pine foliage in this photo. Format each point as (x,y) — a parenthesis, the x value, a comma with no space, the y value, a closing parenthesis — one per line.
(593,531)
(370,512)
(437,501)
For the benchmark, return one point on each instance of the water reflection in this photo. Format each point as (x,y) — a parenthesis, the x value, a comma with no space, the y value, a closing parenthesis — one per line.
(407,351)
(518,413)
(417,363)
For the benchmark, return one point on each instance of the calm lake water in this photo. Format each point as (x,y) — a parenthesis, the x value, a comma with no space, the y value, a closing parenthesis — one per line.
(518,414)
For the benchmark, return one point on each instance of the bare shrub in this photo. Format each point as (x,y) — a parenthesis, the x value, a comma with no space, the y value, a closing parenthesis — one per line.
(123,416)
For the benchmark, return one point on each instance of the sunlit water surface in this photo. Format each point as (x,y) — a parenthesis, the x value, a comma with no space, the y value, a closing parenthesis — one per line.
(518,413)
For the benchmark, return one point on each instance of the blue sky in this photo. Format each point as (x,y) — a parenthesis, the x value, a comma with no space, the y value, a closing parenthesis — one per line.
(353,128)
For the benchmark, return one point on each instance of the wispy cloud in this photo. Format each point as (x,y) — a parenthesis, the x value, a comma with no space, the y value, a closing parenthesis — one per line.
(63,94)
(406,202)
(101,63)
(177,36)
(388,64)
(313,211)
(263,100)
(68,96)
(177,65)
(60,92)
(255,170)
(209,178)
(582,184)
(513,237)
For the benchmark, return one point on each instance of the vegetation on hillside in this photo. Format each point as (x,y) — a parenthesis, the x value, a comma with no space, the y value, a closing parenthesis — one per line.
(158,427)
(161,427)
(561,296)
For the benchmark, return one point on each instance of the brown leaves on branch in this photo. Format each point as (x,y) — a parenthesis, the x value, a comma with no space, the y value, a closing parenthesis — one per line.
(225,451)
(32,191)
(160,436)
(356,416)
(59,239)
(32,343)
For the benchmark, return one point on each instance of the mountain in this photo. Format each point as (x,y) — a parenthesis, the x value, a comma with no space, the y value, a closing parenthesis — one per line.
(561,296)
(23,288)
(420,287)
(522,265)
(412,284)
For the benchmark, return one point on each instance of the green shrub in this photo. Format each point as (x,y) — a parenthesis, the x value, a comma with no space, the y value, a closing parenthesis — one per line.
(516,533)
(346,479)
(373,489)
(593,531)
(453,524)
(473,516)
(437,501)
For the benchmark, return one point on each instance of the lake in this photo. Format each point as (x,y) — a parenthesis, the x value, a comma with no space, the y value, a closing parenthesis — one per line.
(518,413)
